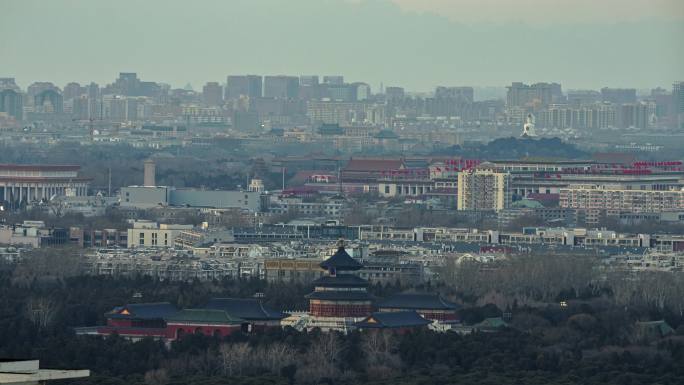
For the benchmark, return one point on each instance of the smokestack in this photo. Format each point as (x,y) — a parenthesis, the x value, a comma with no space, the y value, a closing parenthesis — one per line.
(150,173)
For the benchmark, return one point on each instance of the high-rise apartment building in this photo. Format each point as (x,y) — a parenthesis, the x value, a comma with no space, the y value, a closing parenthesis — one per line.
(590,116)
(281,87)
(580,98)
(461,94)
(483,189)
(678,97)
(308,80)
(244,85)
(308,87)
(9,83)
(127,84)
(72,90)
(633,115)
(337,80)
(362,91)
(212,94)
(621,200)
(676,109)
(345,113)
(619,95)
(394,93)
(535,95)
(45,98)
(94,101)
(11,102)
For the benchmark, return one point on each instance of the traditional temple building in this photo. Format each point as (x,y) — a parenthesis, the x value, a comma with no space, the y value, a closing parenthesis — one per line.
(209,322)
(398,321)
(429,305)
(339,299)
(220,317)
(139,320)
(258,315)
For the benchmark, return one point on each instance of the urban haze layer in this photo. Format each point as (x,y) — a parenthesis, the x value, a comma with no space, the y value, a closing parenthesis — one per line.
(307,229)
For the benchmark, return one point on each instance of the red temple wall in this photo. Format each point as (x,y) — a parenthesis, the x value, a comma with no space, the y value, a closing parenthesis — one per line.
(119,323)
(174,331)
(361,309)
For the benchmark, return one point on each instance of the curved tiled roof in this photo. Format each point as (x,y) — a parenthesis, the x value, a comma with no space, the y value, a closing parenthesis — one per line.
(417,301)
(334,295)
(370,164)
(246,308)
(341,261)
(157,310)
(398,319)
(40,167)
(204,316)
(341,280)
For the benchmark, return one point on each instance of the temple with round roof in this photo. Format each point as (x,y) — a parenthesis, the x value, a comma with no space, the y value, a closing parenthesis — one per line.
(340,293)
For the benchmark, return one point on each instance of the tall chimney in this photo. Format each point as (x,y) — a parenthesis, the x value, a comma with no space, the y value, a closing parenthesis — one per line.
(150,172)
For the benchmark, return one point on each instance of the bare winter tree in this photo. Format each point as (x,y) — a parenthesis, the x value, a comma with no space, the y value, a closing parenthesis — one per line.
(157,377)
(381,359)
(464,276)
(658,289)
(321,359)
(49,263)
(41,311)
(276,355)
(235,358)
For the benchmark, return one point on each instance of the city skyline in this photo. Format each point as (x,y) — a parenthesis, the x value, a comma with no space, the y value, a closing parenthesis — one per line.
(342,192)
(395,43)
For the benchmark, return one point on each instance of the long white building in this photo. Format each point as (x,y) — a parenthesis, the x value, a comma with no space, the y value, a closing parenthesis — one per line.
(618,199)
(24,183)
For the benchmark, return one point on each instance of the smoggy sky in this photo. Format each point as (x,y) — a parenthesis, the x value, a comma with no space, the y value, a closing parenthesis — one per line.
(549,11)
(417,44)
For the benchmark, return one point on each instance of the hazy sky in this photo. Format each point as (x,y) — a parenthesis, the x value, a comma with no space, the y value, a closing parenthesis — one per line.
(412,43)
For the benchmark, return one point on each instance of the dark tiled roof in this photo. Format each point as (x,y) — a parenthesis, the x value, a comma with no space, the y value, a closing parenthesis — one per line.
(158,310)
(332,295)
(341,261)
(417,301)
(397,319)
(365,164)
(40,167)
(204,316)
(245,308)
(660,328)
(492,323)
(340,280)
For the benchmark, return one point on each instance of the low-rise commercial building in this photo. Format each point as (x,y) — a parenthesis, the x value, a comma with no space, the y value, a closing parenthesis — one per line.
(152,234)
(160,196)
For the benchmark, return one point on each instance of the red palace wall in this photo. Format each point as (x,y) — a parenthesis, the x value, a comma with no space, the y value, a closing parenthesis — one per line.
(119,323)
(174,331)
(332,309)
(132,332)
(132,323)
